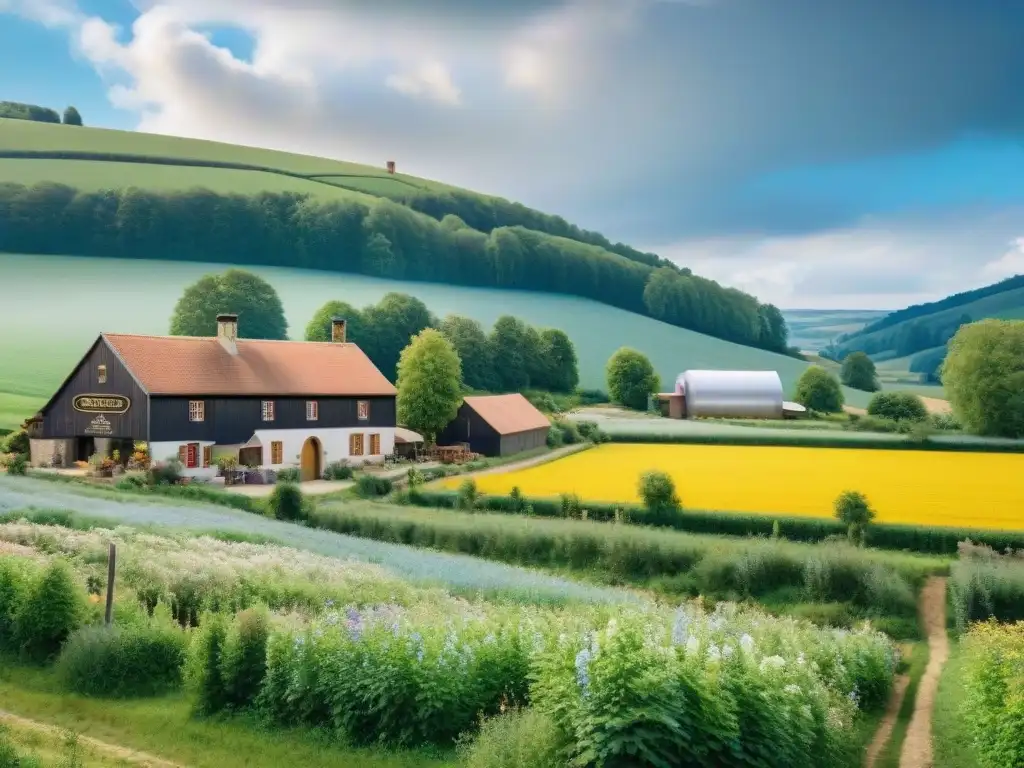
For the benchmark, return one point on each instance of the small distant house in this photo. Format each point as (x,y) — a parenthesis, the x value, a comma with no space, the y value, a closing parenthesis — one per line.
(391,166)
(497,425)
(270,404)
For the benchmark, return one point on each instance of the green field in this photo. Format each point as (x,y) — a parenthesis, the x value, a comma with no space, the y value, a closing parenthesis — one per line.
(97,295)
(91,176)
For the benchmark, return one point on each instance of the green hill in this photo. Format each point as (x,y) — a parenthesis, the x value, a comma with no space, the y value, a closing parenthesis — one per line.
(102,193)
(94,295)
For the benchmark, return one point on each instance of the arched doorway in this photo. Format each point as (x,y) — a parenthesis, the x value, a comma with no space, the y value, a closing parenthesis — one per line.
(310,462)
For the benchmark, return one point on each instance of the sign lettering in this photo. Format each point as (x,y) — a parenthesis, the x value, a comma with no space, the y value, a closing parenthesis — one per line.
(99,426)
(101,403)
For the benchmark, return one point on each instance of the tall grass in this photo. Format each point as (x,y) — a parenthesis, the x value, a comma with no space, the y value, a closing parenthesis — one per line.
(985,584)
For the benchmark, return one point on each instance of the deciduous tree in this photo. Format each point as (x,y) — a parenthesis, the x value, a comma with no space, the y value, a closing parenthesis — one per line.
(818,390)
(72,117)
(429,383)
(253,299)
(470,342)
(631,378)
(859,372)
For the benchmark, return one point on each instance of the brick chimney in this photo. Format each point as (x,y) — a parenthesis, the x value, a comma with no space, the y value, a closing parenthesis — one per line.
(338,326)
(227,332)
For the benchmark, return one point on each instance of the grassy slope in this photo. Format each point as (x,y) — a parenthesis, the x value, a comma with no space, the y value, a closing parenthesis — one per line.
(164,728)
(813,329)
(952,740)
(138,296)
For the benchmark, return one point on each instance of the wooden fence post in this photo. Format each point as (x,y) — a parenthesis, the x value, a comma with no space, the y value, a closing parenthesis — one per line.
(111,568)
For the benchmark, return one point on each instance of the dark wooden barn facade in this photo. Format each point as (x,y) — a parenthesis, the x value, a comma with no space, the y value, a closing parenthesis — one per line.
(497,425)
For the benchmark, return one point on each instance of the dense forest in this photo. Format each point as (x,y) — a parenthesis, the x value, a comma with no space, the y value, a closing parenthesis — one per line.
(14,110)
(385,239)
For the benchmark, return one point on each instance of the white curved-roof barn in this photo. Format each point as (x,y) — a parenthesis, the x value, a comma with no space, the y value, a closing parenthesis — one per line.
(731,394)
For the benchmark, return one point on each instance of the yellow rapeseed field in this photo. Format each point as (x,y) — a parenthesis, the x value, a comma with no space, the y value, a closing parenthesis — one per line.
(974,490)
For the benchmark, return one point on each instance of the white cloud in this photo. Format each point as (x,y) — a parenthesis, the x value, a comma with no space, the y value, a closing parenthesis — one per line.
(431,79)
(881,264)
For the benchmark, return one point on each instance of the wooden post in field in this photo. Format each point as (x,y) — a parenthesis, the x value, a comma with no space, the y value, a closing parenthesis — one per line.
(111,568)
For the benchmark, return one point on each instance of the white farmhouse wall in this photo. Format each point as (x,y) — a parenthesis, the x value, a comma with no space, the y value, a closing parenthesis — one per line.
(165,451)
(334,443)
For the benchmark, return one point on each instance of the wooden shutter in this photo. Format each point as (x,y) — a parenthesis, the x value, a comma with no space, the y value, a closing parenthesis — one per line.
(277,452)
(355,445)
(207,456)
(183,454)
(374,445)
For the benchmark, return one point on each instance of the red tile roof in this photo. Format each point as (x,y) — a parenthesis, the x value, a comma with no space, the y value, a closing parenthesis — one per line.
(508,414)
(186,365)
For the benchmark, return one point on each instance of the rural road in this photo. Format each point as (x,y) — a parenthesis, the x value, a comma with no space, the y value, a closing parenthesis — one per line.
(110,750)
(917,745)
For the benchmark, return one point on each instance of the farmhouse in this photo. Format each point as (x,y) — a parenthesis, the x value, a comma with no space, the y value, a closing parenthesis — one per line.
(727,394)
(497,425)
(270,404)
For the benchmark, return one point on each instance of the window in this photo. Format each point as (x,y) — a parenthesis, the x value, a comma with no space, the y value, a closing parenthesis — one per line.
(312,410)
(277,452)
(189,455)
(268,410)
(355,445)
(375,445)
(101,374)
(207,456)
(196,410)
(363,409)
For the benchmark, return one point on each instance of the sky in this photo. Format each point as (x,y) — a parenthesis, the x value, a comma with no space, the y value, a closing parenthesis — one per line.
(840,154)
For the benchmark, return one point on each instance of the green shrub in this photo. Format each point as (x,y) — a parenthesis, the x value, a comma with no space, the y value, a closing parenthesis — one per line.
(946,422)
(818,390)
(165,472)
(468,495)
(16,577)
(898,406)
(244,658)
(204,667)
(572,506)
(123,661)
(592,397)
(858,372)
(16,442)
(520,738)
(289,475)
(286,502)
(338,470)
(853,510)
(589,430)
(554,437)
(132,481)
(658,492)
(52,609)
(569,431)
(985,584)
(17,464)
(372,486)
(9,757)
(994,690)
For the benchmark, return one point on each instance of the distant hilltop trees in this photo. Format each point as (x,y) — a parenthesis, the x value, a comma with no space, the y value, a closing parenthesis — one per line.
(18,111)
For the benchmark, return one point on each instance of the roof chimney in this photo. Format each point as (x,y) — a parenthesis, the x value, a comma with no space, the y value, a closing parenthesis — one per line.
(227,332)
(338,325)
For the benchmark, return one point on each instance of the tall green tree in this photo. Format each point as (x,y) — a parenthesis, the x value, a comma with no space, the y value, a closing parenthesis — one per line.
(253,299)
(984,377)
(560,370)
(631,378)
(388,326)
(773,333)
(319,326)
(470,342)
(859,372)
(514,350)
(429,383)
(818,390)
(72,117)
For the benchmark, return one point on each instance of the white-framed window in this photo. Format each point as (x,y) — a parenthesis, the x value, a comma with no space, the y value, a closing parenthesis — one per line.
(312,410)
(196,410)
(101,374)
(363,409)
(268,410)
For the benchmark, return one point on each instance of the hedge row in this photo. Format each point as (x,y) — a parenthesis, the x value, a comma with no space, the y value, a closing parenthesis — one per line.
(799,440)
(916,538)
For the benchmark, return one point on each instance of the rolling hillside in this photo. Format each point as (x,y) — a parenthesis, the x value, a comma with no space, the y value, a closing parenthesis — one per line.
(138,297)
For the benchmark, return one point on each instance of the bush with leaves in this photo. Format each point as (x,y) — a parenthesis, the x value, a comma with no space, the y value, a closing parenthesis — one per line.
(338,470)
(203,669)
(289,475)
(520,738)
(117,661)
(16,442)
(373,486)
(15,464)
(16,578)
(853,509)
(818,390)
(244,657)
(468,495)
(286,502)
(993,692)
(52,608)
(898,406)
(858,372)
(658,493)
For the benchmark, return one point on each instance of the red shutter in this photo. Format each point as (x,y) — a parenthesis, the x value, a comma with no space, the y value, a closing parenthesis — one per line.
(192,456)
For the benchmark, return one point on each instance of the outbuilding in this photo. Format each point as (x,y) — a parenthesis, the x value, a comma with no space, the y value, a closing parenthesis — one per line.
(497,425)
(269,404)
(725,394)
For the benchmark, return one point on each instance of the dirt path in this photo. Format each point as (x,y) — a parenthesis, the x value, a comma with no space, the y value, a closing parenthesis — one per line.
(917,746)
(544,458)
(888,721)
(110,750)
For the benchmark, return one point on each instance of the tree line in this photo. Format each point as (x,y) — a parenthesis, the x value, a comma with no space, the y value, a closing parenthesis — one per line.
(513,356)
(17,111)
(385,239)
(904,340)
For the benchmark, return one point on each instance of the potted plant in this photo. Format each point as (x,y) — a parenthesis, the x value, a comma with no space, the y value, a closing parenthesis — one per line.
(227,466)
(140,459)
